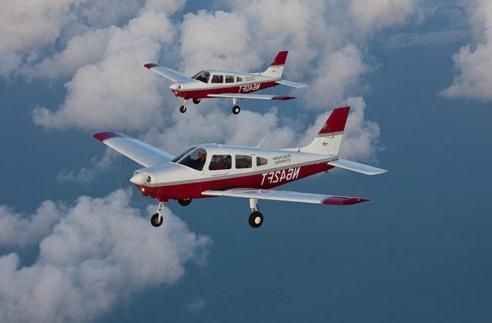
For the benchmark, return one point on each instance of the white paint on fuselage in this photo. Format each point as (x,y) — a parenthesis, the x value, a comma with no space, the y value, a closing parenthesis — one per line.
(249,79)
(283,165)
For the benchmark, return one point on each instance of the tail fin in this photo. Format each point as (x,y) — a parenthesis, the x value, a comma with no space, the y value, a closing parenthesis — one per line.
(277,67)
(330,136)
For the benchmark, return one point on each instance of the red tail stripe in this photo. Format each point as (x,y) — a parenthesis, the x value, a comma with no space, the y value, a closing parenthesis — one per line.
(280,58)
(336,121)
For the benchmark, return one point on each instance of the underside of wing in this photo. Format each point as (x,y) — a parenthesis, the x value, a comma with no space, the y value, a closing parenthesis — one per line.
(251,96)
(291,84)
(168,73)
(287,196)
(138,151)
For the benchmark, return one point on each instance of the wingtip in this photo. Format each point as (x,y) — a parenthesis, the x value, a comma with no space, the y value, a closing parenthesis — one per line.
(101,136)
(150,65)
(344,200)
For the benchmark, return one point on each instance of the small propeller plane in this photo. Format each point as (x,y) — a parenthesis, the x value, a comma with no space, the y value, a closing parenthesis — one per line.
(225,84)
(211,170)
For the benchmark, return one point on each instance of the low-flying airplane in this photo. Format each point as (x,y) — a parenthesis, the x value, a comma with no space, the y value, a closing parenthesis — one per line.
(225,84)
(210,170)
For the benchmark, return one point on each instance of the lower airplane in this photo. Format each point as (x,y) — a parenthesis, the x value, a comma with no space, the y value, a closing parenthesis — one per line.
(208,84)
(211,170)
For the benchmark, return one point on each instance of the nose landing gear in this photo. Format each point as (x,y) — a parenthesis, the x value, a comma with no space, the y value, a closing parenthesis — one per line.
(235,107)
(156,219)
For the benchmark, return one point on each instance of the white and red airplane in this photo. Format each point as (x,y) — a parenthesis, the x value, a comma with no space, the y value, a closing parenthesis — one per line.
(209,170)
(225,84)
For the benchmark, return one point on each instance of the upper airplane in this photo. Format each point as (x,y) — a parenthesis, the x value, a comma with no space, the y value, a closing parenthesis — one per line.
(225,84)
(209,170)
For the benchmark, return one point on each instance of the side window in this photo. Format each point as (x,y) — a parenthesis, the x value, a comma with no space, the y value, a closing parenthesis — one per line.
(220,162)
(229,79)
(218,78)
(260,161)
(239,79)
(243,161)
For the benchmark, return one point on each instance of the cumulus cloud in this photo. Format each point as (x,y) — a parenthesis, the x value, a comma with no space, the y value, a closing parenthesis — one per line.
(87,174)
(472,63)
(117,91)
(377,14)
(100,251)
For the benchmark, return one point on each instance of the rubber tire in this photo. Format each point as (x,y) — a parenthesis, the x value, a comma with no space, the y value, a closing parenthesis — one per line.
(182,109)
(253,217)
(154,220)
(196,101)
(236,109)
(184,202)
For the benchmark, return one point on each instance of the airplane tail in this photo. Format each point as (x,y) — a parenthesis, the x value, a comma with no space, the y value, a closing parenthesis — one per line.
(277,68)
(330,136)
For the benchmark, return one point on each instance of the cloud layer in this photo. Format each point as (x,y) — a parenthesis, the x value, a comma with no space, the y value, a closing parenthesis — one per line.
(473,62)
(92,254)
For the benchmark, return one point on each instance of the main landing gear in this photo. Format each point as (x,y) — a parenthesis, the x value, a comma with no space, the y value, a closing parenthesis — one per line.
(184,202)
(235,107)
(256,217)
(156,219)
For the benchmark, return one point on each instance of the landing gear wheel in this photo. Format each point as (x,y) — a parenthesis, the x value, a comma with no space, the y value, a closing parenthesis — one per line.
(182,109)
(156,220)
(184,202)
(255,219)
(236,109)
(196,101)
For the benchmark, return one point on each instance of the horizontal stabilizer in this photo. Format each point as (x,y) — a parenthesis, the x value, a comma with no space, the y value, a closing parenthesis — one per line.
(291,84)
(287,196)
(168,73)
(138,151)
(357,167)
(251,96)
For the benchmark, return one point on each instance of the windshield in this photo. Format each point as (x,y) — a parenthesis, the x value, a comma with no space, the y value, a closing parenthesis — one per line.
(193,158)
(202,76)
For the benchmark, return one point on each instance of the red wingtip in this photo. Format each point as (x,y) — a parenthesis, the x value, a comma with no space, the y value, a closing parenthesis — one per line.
(336,121)
(280,58)
(101,136)
(343,200)
(283,98)
(150,65)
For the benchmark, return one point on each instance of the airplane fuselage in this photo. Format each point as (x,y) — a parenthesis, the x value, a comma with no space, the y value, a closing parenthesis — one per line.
(238,83)
(175,181)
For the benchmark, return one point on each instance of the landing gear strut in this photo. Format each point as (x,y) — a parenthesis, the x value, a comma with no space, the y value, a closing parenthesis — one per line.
(182,108)
(235,107)
(156,219)
(184,202)
(255,218)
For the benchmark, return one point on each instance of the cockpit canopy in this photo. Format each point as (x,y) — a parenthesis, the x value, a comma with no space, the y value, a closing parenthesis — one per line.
(194,158)
(202,76)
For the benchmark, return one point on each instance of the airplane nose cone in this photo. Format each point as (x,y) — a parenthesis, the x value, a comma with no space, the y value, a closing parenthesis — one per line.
(140,179)
(175,86)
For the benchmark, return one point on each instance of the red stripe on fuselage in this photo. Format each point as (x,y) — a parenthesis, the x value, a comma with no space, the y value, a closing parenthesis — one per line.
(263,180)
(203,93)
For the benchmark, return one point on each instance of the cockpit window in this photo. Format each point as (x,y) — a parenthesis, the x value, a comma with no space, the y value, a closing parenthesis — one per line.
(194,159)
(202,76)
(177,158)
(218,78)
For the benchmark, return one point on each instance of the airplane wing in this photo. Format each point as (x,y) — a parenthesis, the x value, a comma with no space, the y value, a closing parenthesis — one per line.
(251,96)
(168,73)
(288,196)
(291,84)
(144,154)
(357,167)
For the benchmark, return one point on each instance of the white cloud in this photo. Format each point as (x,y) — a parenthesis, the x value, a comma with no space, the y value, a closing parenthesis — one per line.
(473,61)
(373,15)
(335,77)
(87,174)
(116,92)
(100,251)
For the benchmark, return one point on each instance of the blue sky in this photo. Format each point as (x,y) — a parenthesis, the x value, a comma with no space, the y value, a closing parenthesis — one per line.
(76,244)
